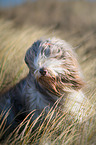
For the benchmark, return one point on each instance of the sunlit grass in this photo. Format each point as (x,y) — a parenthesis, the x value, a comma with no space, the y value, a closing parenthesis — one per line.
(55,129)
(13,45)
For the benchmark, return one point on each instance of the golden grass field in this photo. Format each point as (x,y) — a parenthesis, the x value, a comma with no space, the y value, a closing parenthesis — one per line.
(74,22)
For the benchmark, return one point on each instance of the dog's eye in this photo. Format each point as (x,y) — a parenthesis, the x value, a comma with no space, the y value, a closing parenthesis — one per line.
(47,51)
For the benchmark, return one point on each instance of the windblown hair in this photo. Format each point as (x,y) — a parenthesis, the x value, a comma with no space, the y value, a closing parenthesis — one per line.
(59,62)
(53,73)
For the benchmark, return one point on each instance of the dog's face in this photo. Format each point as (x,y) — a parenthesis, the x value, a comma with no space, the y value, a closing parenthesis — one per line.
(54,66)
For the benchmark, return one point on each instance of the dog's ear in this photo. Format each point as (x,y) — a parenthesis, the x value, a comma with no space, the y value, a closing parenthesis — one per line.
(76,77)
(73,80)
(31,53)
(77,82)
(72,76)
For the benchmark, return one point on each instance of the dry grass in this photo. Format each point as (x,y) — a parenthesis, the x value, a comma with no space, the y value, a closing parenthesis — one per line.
(14,43)
(54,130)
(74,22)
(67,16)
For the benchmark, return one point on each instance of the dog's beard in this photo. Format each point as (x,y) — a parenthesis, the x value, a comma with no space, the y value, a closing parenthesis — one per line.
(60,84)
(52,84)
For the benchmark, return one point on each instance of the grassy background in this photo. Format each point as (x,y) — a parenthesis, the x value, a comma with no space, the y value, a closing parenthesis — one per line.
(72,21)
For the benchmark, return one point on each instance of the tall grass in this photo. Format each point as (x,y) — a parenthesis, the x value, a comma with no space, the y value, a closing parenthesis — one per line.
(54,129)
(13,45)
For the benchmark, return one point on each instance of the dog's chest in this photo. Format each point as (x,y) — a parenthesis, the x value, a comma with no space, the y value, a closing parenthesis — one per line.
(35,100)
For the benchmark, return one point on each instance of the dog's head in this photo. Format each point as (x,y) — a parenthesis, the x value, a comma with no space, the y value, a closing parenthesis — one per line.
(54,66)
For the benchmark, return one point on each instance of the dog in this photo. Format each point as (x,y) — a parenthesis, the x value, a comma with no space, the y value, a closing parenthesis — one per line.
(53,73)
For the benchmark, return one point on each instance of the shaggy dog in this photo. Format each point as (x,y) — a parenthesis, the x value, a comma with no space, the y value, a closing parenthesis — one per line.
(53,73)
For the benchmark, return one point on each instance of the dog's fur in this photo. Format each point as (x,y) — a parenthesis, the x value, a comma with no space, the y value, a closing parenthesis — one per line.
(53,73)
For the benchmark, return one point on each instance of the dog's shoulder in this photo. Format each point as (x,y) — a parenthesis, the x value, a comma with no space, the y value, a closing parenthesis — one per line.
(12,99)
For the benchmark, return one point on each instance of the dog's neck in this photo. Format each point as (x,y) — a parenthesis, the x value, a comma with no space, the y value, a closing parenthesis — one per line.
(37,98)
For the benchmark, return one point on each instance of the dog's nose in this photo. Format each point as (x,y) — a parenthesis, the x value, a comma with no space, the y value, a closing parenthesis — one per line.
(42,71)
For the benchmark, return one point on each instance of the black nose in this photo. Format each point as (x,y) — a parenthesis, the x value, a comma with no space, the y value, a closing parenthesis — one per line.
(42,71)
